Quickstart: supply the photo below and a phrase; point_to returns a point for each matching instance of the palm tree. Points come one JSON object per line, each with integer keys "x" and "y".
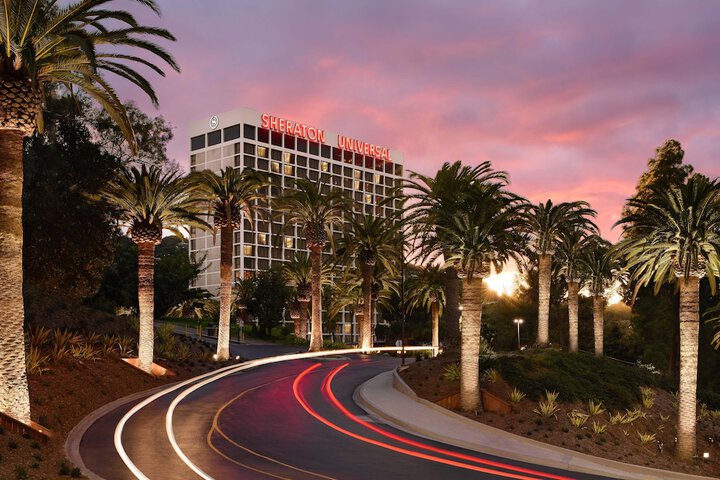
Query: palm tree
{"x": 372, "y": 243}
{"x": 570, "y": 247}
{"x": 232, "y": 194}
{"x": 483, "y": 233}
{"x": 674, "y": 236}
{"x": 427, "y": 291}
{"x": 433, "y": 199}
{"x": 42, "y": 44}
{"x": 316, "y": 211}
{"x": 298, "y": 273}
{"x": 545, "y": 223}
{"x": 599, "y": 267}
{"x": 147, "y": 202}
{"x": 199, "y": 304}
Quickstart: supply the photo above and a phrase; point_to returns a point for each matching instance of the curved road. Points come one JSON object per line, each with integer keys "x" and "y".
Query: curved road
{"x": 292, "y": 420}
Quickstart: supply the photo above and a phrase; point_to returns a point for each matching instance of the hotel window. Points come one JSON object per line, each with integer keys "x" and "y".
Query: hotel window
{"x": 238, "y": 250}
{"x": 301, "y": 145}
{"x": 193, "y": 244}
{"x": 276, "y": 138}
{"x": 231, "y": 133}
{"x": 337, "y": 169}
{"x": 336, "y": 154}
{"x": 275, "y": 167}
{"x": 313, "y": 175}
{"x": 347, "y": 172}
{"x": 325, "y": 151}
{"x": 398, "y": 170}
{"x": 314, "y": 148}
{"x": 249, "y": 131}
{"x": 368, "y": 198}
{"x": 357, "y": 184}
{"x": 249, "y": 263}
{"x": 287, "y": 157}
{"x": 302, "y": 172}
{"x": 378, "y": 178}
{"x": 348, "y": 156}
{"x": 276, "y": 154}
{"x": 193, "y": 160}
{"x": 324, "y": 167}
{"x": 263, "y": 252}
{"x": 249, "y": 161}
{"x": 247, "y": 249}
{"x": 238, "y": 160}
{"x": 263, "y": 135}
{"x": 357, "y": 174}
{"x": 288, "y": 169}
{"x": 262, "y": 152}
{"x": 288, "y": 255}
{"x": 263, "y": 264}
{"x": 262, "y": 164}
{"x": 250, "y": 148}
{"x": 197, "y": 142}
{"x": 290, "y": 142}
{"x": 262, "y": 238}
{"x": 213, "y": 138}
{"x": 289, "y": 242}
{"x": 301, "y": 161}
{"x": 347, "y": 182}
{"x": 314, "y": 163}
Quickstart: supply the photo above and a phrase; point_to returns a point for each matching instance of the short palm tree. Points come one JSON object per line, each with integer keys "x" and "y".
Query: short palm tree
{"x": 298, "y": 274}
{"x": 570, "y": 247}
{"x": 427, "y": 290}
{"x": 483, "y": 233}
{"x": 431, "y": 200}
{"x": 199, "y": 304}
{"x": 674, "y": 237}
{"x": 315, "y": 211}
{"x": 232, "y": 195}
{"x": 371, "y": 242}
{"x": 149, "y": 201}
{"x": 41, "y": 45}
{"x": 599, "y": 268}
{"x": 545, "y": 223}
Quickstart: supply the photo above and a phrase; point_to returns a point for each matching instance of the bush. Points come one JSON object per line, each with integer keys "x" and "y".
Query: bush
{"x": 577, "y": 377}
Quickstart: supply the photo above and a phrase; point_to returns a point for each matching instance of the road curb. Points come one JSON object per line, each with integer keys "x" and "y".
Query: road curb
{"x": 72, "y": 443}
{"x": 570, "y": 458}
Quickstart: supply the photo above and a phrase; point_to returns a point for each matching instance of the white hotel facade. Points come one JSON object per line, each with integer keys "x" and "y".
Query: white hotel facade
{"x": 289, "y": 150}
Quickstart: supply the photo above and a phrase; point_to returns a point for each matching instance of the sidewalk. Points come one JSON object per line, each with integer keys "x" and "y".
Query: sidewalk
{"x": 388, "y": 398}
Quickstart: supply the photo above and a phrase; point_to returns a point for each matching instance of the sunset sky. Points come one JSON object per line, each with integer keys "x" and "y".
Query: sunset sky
{"x": 570, "y": 97}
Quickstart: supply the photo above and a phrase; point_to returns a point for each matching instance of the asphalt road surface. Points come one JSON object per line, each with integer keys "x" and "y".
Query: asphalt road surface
{"x": 292, "y": 420}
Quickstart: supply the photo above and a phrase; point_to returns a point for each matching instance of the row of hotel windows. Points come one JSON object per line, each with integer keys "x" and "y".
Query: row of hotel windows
{"x": 285, "y": 162}
{"x": 290, "y": 142}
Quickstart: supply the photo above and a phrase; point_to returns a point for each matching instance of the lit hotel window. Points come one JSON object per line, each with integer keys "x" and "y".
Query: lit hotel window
{"x": 357, "y": 185}
{"x": 324, "y": 167}
{"x": 287, "y": 157}
{"x": 289, "y": 242}
{"x": 275, "y": 167}
{"x": 377, "y": 178}
{"x": 262, "y": 152}
{"x": 262, "y": 238}
{"x": 368, "y": 198}
{"x": 247, "y": 249}
{"x": 288, "y": 169}
{"x": 358, "y": 174}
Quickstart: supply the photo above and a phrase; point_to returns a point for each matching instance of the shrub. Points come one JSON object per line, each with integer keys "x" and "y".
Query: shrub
{"x": 548, "y": 407}
{"x": 165, "y": 333}
{"x": 35, "y": 361}
{"x": 617, "y": 418}
{"x": 646, "y": 437}
{"x": 577, "y": 419}
{"x": 125, "y": 346}
{"x": 516, "y": 395}
{"x": 452, "y": 372}
{"x": 75, "y": 473}
{"x": 595, "y": 409}
{"x": 599, "y": 428}
{"x": 491, "y": 375}
{"x": 38, "y": 336}
{"x": 109, "y": 344}
{"x": 64, "y": 469}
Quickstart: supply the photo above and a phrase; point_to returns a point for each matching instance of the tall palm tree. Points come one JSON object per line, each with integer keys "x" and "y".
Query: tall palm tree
{"x": 231, "y": 195}
{"x": 484, "y": 233}
{"x": 599, "y": 267}
{"x": 545, "y": 223}
{"x": 42, "y": 44}
{"x": 572, "y": 244}
{"x": 678, "y": 242}
{"x": 371, "y": 242}
{"x": 315, "y": 211}
{"x": 298, "y": 274}
{"x": 427, "y": 290}
{"x": 434, "y": 199}
{"x": 149, "y": 201}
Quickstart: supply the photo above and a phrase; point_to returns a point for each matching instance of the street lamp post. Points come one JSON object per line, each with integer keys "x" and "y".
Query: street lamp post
{"x": 518, "y": 322}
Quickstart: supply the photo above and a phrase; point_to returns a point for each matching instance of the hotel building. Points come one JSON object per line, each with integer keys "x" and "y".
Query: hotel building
{"x": 244, "y": 138}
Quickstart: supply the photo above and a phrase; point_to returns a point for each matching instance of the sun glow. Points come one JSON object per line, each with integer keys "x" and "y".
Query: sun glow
{"x": 504, "y": 283}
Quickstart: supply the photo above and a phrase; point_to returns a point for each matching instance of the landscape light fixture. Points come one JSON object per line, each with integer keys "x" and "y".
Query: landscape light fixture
{"x": 518, "y": 322}
{"x": 660, "y": 446}
{"x": 706, "y": 456}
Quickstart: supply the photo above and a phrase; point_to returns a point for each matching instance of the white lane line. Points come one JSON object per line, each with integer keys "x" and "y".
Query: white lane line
{"x": 212, "y": 377}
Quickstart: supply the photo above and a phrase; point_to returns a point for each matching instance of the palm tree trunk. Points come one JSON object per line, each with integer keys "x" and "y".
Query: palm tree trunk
{"x": 689, "y": 331}
{"x": 14, "y": 396}
{"x": 146, "y": 302}
{"x": 226, "y": 268}
{"x": 302, "y": 331}
{"x": 598, "y": 322}
{"x": 316, "y": 338}
{"x": 451, "y": 285}
{"x": 434, "y": 310}
{"x": 472, "y": 302}
{"x": 366, "y": 340}
{"x": 544, "y": 274}
{"x": 573, "y": 289}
